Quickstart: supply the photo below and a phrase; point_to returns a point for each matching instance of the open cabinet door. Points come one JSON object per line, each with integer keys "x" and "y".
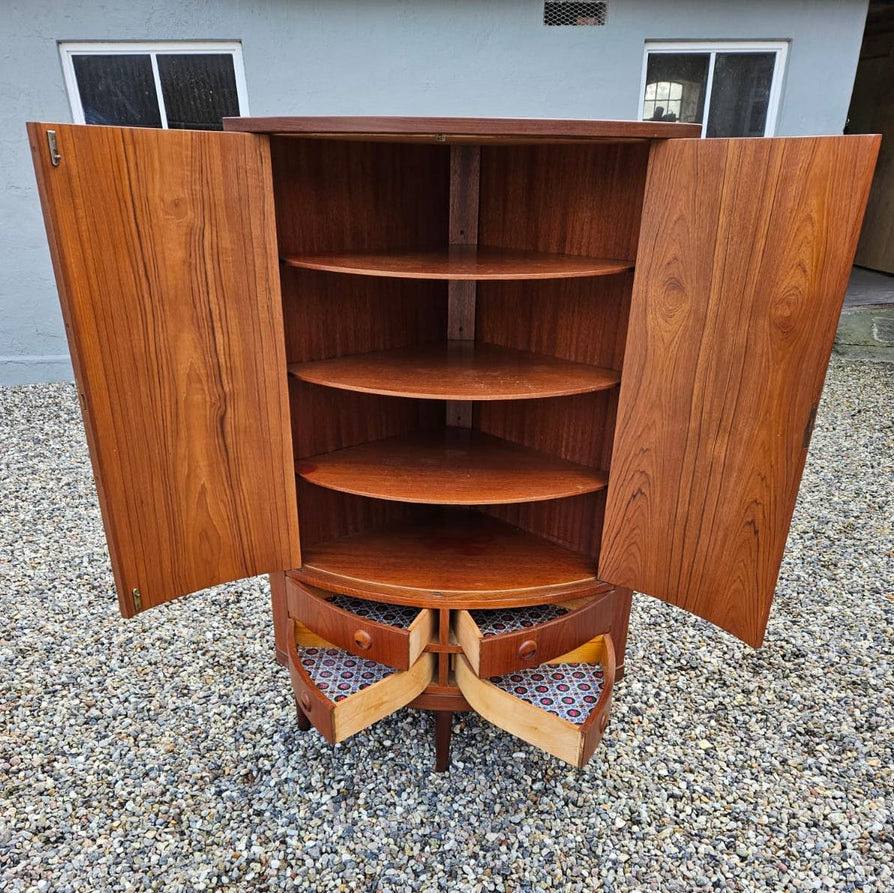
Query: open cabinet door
{"x": 164, "y": 248}
{"x": 744, "y": 255}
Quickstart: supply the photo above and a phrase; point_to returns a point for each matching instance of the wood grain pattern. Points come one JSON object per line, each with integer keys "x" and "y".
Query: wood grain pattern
{"x": 580, "y": 200}
{"x": 568, "y": 741}
{"x": 465, "y": 180}
{"x": 343, "y": 196}
{"x": 325, "y": 419}
{"x": 584, "y": 199}
{"x": 391, "y": 645}
{"x": 328, "y": 514}
{"x": 745, "y": 252}
{"x": 165, "y": 255}
{"x": 575, "y": 522}
{"x": 327, "y": 315}
{"x": 338, "y": 720}
{"x": 394, "y": 127}
{"x": 280, "y": 610}
{"x": 461, "y": 262}
{"x": 457, "y": 370}
{"x": 528, "y": 647}
{"x": 452, "y": 559}
{"x": 568, "y": 427}
{"x": 454, "y": 466}
{"x": 580, "y": 320}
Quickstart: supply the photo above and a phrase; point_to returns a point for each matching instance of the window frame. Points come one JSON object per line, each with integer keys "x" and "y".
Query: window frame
{"x": 779, "y": 47}
{"x": 68, "y": 49}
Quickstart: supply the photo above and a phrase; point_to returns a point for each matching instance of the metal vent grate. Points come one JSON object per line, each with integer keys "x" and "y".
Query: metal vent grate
{"x": 567, "y": 12}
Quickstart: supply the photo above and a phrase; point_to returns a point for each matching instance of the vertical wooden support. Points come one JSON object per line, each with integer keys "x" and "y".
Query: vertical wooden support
{"x": 618, "y": 627}
{"x": 443, "y": 730}
{"x": 303, "y": 723}
{"x": 280, "y": 616}
{"x": 465, "y": 169}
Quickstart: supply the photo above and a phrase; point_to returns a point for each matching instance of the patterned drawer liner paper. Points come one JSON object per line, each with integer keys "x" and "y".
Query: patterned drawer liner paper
{"x": 569, "y": 691}
{"x": 339, "y": 674}
{"x": 505, "y": 620}
{"x": 390, "y": 615}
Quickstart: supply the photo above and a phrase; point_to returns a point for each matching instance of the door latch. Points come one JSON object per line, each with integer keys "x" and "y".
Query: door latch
{"x": 55, "y": 157}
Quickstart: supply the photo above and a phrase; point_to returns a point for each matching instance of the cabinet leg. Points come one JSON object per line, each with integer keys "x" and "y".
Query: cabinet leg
{"x": 443, "y": 730}
{"x": 303, "y": 721}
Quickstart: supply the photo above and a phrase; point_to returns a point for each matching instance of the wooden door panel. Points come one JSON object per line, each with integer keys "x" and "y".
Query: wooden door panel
{"x": 744, "y": 255}
{"x": 164, "y": 248}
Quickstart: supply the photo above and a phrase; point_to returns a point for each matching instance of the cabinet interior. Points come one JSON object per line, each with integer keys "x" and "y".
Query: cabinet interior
{"x": 477, "y": 298}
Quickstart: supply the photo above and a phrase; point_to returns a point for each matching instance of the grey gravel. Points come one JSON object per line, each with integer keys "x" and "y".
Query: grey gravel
{"x": 161, "y": 753}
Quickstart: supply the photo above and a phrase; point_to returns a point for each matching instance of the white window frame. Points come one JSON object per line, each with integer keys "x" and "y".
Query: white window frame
{"x": 779, "y": 47}
{"x": 68, "y": 49}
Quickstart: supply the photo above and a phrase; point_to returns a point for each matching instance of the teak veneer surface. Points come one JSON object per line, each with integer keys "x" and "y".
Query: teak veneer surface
{"x": 327, "y": 315}
{"x": 457, "y": 370}
{"x": 461, "y": 262}
{"x": 488, "y": 128}
{"x": 177, "y": 342}
{"x": 341, "y": 197}
{"x": 454, "y": 559}
{"x": 454, "y": 466}
{"x": 735, "y": 301}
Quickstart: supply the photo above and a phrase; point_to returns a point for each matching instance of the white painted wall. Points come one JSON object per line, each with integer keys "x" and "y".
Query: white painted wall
{"x": 414, "y": 57}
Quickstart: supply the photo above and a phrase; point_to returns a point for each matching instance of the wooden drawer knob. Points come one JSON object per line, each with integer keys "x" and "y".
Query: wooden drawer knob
{"x": 362, "y": 639}
{"x": 527, "y": 649}
{"x": 305, "y": 701}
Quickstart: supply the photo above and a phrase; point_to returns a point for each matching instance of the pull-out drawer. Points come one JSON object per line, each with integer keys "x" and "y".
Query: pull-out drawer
{"x": 342, "y": 694}
{"x": 561, "y": 707}
{"x": 497, "y": 641}
{"x": 388, "y": 634}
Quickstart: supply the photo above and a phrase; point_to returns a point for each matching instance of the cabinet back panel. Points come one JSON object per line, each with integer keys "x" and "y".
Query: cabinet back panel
{"x": 575, "y": 523}
{"x": 359, "y": 196}
{"x": 332, "y": 315}
{"x": 584, "y": 320}
{"x": 578, "y": 428}
{"x": 326, "y": 419}
{"x": 327, "y": 514}
{"x": 568, "y": 199}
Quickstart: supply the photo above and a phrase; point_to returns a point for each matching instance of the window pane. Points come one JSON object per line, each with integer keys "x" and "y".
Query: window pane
{"x": 117, "y": 89}
{"x": 740, "y": 94}
{"x": 678, "y": 82}
{"x": 198, "y": 89}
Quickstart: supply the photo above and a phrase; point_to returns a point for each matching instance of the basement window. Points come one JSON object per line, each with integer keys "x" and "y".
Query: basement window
{"x": 181, "y": 86}
{"x": 731, "y": 88}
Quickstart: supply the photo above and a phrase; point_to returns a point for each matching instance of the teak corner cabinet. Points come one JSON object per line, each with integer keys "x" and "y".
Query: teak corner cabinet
{"x": 498, "y": 373}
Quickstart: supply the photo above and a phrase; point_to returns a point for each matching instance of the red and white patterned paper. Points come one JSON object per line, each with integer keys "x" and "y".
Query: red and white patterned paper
{"x": 569, "y": 691}
{"x": 339, "y": 674}
{"x": 505, "y": 620}
{"x": 391, "y": 615}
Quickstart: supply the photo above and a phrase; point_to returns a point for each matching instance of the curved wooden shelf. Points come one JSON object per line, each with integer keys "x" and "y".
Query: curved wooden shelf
{"x": 461, "y": 262}
{"x": 452, "y": 559}
{"x": 457, "y": 370}
{"x": 453, "y": 466}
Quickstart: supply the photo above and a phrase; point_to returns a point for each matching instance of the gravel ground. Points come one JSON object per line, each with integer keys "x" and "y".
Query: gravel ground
{"x": 161, "y": 753}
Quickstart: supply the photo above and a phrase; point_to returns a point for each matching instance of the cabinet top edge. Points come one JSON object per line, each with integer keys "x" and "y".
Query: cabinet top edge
{"x": 450, "y": 129}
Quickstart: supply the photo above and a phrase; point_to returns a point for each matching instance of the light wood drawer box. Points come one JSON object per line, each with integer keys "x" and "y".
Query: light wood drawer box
{"x": 390, "y": 634}
{"x": 561, "y": 707}
{"x": 498, "y": 641}
{"x": 342, "y": 694}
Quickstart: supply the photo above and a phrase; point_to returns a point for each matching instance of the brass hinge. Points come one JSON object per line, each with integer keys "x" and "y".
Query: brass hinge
{"x": 137, "y": 600}
{"x": 55, "y": 157}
